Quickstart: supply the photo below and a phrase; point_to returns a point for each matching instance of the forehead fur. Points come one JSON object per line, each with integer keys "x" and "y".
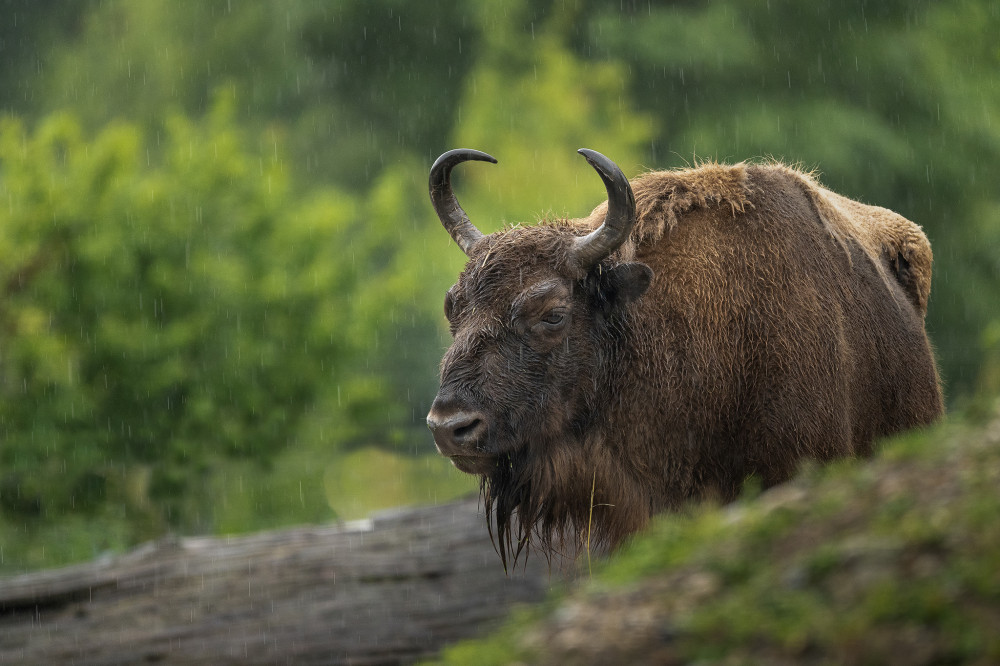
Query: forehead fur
{"x": 504, "y": 263}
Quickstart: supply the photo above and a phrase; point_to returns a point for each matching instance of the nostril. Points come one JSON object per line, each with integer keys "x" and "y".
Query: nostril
{"x": 467, "y": 430}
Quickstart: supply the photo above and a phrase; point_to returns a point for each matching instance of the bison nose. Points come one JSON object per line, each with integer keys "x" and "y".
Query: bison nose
{"x": 455, "y": 432}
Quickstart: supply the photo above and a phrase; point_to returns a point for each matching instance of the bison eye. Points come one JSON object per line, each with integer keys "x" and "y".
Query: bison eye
{"x": 554, "y": 320}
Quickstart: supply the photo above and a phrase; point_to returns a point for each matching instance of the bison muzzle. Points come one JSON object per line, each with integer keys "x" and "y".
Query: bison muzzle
{"x": 701, "y": 327}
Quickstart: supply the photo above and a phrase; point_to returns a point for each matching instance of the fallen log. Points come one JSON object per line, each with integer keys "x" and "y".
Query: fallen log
{"x": 388, "y": 590}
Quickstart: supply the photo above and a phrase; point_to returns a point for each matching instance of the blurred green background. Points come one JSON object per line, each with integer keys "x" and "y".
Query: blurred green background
{"x": 221, "y": 277}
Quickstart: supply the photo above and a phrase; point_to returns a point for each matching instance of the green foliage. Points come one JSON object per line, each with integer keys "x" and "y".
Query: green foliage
{"x": 316, "y": 483}
{"x": 161, "y": 315}
{"x": 355, "y": 84}
{"x": 393, "y": 71}
{"x": 532, "y": 104}
{"x": 164, "y": 316}
{"x": 133, "y": 60}
{"x": 396, "y": 310}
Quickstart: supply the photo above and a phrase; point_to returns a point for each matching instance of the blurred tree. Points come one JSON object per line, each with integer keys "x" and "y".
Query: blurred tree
{"x": 395, "y": 314}
{"x": 157, "y": 316}
{"x": 532, "y": 103}
{"x": 28, "y": 30}
{"x": 393, "y": 71}
{"x": 356, "y": 84}
{"x": 143, "y": 61}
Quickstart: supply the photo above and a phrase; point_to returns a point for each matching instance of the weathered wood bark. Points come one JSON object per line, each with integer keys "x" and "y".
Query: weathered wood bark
{"x": 389, "y": 590}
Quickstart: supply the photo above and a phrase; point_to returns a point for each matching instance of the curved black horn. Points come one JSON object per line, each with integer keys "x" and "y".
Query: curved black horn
{"x": 443, "y": 199}
{"x": 589, "y": 250}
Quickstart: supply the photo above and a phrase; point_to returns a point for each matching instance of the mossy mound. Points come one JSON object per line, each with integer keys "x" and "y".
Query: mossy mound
{"x": 890, "y": 560}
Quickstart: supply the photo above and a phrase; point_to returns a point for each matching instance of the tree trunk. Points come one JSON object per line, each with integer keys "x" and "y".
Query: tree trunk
{"x": 390, "y": 590}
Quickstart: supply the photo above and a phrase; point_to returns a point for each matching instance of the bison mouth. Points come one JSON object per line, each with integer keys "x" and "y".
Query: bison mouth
{"x": 474, "y": 464}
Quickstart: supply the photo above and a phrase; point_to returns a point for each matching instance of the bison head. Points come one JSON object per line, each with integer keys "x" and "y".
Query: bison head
{"x": 538, "y": 318}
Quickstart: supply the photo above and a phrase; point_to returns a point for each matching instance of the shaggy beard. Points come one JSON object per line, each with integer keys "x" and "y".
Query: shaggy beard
{"x": 538, "y": 503}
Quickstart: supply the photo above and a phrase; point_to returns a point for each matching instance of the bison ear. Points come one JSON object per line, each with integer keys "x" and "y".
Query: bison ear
{"x": 624, "y": 284}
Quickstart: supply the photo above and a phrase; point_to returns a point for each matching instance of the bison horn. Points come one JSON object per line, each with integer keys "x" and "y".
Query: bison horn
{"x": 591, "y": 249}
{"x": 443, "y": 199}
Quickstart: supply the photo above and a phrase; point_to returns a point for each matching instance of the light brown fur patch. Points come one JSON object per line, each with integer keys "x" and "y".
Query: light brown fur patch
{"x": 885, "y": 235}
{"x": 663, "y": 197}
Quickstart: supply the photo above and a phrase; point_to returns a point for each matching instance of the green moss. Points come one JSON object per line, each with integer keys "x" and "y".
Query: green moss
{"x": 503, "y": 646}
{"x": 667, "y": 543}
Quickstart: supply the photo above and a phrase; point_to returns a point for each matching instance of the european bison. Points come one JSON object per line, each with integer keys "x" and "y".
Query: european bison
{"x": 722, "y": 322}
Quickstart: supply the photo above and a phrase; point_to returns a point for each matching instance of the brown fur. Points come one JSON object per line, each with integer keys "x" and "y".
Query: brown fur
{"x": 783, "y": 322}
